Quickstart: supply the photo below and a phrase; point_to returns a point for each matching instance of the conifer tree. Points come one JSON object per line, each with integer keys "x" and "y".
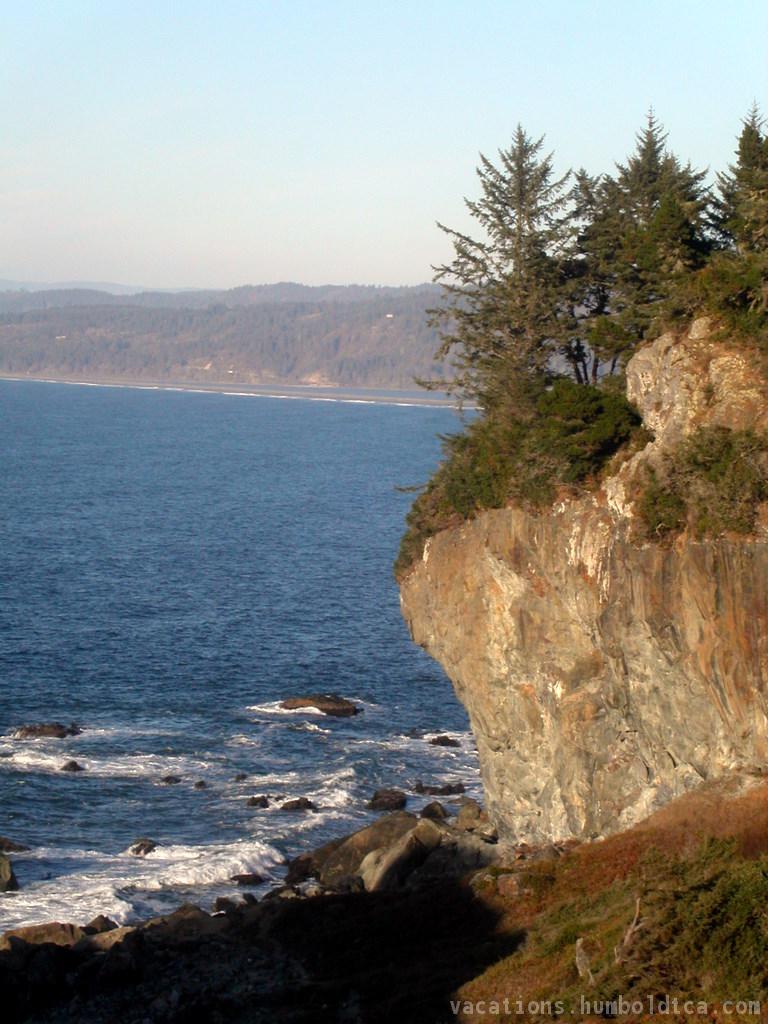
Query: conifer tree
{"x": 643, "y": 229}
{"x": 742, "y": 206}
{"x": 502, "y": 310}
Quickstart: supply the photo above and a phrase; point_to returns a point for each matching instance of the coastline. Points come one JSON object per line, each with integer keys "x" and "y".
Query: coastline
{"x": 390, "y": 900}
{"x": 287, "y": 391}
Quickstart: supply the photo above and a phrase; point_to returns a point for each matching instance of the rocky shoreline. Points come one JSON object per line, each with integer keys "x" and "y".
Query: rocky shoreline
{"x": 250, "y": 959}
{"x": 395, "y": 889}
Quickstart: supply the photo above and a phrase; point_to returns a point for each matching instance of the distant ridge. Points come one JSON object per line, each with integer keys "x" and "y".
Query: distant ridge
{"x": 22, "y": 299}
{"x": 285, "y": 333}
{"x": 50, "y": 286}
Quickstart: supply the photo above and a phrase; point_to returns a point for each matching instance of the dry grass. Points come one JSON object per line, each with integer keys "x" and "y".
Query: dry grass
{"x": 700, "y": 869}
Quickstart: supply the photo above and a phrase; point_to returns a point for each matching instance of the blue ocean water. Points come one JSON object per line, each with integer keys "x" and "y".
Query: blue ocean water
{"x": 172, "y": 565}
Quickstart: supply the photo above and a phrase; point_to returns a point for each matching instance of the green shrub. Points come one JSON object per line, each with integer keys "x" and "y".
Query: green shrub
{"x": 661, "y": 509}
{"x": 502, "y": 458}
{"x": 714, "y": 482}
{"x": 733, "y": 288}
{"x": 583, "y": 427}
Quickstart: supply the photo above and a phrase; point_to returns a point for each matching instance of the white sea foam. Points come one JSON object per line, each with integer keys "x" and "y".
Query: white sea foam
{"x": 76, "y": 885}
{"x": 274, "y": 707}
{"x": 311, "y": 727}
{"x": 306, "y": 396}
{"x": 35, "y": 758}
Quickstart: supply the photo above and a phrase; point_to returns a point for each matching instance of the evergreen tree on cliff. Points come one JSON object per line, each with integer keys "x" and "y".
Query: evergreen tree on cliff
{"x": 742, "y": 208}
{"x": 735, "y": 283}
{"x": 502, "y": 311}
{"x": 643, "y": 229}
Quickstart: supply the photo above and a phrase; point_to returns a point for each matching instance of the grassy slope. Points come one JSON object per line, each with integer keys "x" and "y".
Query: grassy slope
{"x": 700, "y": 870}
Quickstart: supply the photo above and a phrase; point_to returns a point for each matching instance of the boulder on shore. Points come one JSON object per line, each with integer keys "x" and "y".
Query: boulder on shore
{"x": 344, "y": 859}
{"x": 8, "y": 881}
{"x": 387, "y": 800}
{"x": 471, "y": 816}
{"x": 389, "y": 866}
{"x": 435, "y": 811}
{"x": 54, "y": 729}
{"x": 99, "y": 925}
{"x": 248, "y": 878}
{"x": 53, "y": 932}
{"x": 328, "y": 703}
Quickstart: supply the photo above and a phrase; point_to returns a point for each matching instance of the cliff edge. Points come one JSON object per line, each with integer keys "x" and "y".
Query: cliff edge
{"x": 604, "y": 674}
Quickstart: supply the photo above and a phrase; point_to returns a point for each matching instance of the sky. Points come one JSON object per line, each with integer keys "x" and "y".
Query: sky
{"x": 200, "y": 144}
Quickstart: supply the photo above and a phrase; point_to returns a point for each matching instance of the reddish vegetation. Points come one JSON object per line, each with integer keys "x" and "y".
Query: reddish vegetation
{"x": 591, "y": 893}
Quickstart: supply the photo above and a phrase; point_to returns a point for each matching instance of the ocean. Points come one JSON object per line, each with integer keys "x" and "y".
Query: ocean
{"x": 173, "y": 564}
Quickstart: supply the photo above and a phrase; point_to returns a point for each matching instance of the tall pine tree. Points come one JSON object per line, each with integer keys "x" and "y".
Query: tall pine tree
{"x": 502, "y": 311}
{"x": 742, "y": 206}
{"x": 644, "y": 228}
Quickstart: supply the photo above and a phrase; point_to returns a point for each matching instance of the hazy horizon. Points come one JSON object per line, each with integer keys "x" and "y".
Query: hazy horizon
{"x": 322, "y": 141}
{"x": 7, "y": 284}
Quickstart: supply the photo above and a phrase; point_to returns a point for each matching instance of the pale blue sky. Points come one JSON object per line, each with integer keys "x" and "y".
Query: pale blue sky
{"x": 216, "y": 144}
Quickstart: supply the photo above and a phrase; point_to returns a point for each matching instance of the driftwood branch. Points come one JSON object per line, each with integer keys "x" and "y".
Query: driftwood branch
{"x": 620, "y": 951}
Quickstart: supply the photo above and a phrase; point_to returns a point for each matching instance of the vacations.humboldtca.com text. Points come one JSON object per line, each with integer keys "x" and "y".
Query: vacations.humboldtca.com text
{"x": 621, "y": 1006}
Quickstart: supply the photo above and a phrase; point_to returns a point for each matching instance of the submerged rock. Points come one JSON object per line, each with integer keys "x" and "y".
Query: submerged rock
{"x": 257, "y": 801}
{"x": 443, "y": 741}
{"x": 328, "y": 703}
{"x": 142, "y": 847}
{"x": 200, "y": 784}
{"x": 449, "y": 789}
{"x": 42, "y": 729}
{"x": 299, "y": 804}
{"x": 72, "y": 766}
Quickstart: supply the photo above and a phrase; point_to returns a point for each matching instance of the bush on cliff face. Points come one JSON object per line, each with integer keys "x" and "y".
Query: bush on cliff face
{"x": 713, "y": 482}
{"x": 734, "y": 288}
{"x": 499, "y": 459}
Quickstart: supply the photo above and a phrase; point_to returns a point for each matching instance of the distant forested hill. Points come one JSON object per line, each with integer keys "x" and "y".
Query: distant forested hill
{"x": 286, "y": 333}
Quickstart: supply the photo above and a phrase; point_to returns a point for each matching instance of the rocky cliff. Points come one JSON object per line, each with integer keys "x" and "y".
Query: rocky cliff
{"x": 604, "y": 675}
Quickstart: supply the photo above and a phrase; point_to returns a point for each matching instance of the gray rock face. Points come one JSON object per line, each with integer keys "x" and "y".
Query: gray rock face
{"x": 604, "y": 676}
